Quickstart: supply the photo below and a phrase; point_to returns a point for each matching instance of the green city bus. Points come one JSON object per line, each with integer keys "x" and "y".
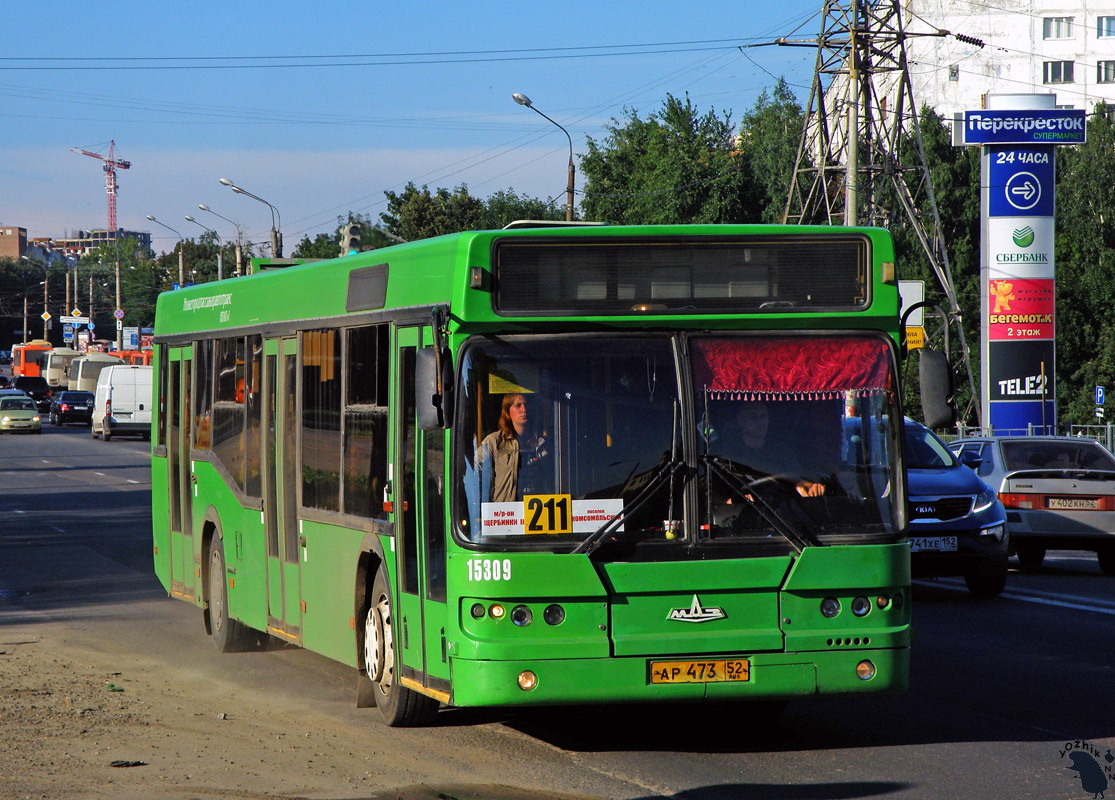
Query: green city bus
{"x": 524, "y": 466}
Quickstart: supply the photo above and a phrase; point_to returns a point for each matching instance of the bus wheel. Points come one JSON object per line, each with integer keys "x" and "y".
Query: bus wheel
{"x": 228, "y": 634}
{"x": 401, "y": 707}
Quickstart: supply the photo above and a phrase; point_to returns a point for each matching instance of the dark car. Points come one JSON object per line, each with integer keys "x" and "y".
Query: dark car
{"x": 957, "y": 524}
{"x": 71, "y": 407}
{"x": 4, "y": 382}
{"x": 35, "y": 387}
{"x": 1059, "y": 492}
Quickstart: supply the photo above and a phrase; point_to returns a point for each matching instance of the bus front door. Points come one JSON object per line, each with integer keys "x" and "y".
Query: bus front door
{"x": 180, "y": 473}
{"x": 419, "y": 535}
{"x": 280, "y": 495}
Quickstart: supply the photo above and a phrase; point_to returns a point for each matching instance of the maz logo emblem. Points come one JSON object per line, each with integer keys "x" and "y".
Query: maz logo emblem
{"x": 696, "y": 613}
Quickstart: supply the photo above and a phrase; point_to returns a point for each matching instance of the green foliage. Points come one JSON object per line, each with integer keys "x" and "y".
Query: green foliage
{"x": 768, "y": 142}
{"x": 506, "y": 206}
{"x": 674, "y": 166}
{"x": 323, "y": 245}
{"x": 419, "y": 214}
{"x": 1085, "y": 260}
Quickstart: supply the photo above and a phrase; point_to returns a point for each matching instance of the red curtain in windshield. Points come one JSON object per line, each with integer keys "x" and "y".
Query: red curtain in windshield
{"x": 792, "y": 368}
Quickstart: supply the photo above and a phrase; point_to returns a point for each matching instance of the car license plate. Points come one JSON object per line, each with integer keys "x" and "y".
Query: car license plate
{"x": 933, "y": 544}
{"x": 731, "y": 669}
{"x": 1073, "y": 503}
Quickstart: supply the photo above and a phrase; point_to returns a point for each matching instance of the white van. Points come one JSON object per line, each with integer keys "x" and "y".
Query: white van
{"x": 123, "y": 402}
{"x": 85, "y": 369}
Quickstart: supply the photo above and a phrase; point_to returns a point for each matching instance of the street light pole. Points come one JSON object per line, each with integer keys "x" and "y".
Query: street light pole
{"x": 181, "y": 260}
{"x": 276, "y": 220}
{"x": 220, "y": 246}
{"x": 239, "y": 238}
{"x": 523, "y": 100}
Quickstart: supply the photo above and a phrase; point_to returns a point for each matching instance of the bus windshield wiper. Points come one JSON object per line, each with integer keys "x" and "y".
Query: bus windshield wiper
{"x": 745, "y": 486}
{"x": 664, "y": 473}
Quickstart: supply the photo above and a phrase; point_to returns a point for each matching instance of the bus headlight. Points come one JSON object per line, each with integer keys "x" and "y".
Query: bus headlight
{"x": 865, "y": 670}
{"x": 554, "y": 614}
{"x": 527, "y": 680}
{"x": 830, "y": 607}
{"x": 860, "y": 606}
{"x": 521, "y": 616}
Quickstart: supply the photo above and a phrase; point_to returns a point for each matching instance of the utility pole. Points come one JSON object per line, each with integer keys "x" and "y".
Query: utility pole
{"x": 850, "y": 167}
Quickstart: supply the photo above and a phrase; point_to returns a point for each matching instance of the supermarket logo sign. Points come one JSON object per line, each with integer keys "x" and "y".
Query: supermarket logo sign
{"x": 1051, "y": 126}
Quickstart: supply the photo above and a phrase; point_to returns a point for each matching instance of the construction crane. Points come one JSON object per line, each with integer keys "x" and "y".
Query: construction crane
{"x": 111, "y": 164}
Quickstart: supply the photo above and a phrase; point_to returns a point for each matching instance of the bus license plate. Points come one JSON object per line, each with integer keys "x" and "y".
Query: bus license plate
{"x": 933, "y": 544}
{"x": 1074, "y": 503}
{"x": 734, "y": 669}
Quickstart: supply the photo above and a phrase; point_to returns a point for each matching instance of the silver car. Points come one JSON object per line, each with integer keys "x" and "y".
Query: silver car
{"x": 1059, "y": 492}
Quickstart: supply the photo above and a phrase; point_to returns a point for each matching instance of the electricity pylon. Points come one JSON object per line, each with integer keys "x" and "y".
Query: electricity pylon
{"x": 851, "y": 166}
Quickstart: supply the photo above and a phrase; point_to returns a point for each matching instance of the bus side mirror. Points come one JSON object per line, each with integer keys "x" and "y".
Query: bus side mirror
{"x": 433, "y": 398}
{"x": 937, "y": 397}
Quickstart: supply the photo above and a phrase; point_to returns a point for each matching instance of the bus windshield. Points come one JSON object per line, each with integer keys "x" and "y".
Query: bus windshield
{"x": 795, "y": 437}
{"x": 558, "y": 434}
{"x": 789, "y": 440}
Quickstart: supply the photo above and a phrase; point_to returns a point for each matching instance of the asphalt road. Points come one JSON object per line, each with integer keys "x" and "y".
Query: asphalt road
{"x": 999, "y": 687}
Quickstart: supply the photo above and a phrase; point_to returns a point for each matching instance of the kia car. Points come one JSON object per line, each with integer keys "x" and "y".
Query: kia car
{"x": 957, "y": 524}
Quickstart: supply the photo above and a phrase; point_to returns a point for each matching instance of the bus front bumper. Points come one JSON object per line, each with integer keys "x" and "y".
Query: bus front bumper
{"x": 771, "y": 676}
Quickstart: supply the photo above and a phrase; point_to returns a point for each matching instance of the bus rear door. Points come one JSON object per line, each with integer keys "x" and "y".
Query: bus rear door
{"x": 419, "y": 535}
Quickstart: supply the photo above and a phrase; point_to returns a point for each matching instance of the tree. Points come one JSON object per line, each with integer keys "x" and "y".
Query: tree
{"x": 675, "y": 166}
{"x": 768, "y": 141}
{"x": 1085, "y": 257}
{"x": 419, "y": 214}
{"x": 323, "y": 245}
{"x": 955, "y": 174}
{"x": 506, "y": 206}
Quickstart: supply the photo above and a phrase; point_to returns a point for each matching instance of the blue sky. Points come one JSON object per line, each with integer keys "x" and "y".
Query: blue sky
{"x": 319, "y": 108}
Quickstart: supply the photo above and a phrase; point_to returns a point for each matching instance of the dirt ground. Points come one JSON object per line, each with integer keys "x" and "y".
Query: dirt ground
{"x": 83, "y": 723}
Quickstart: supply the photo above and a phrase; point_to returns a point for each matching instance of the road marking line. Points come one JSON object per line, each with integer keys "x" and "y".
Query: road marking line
{"x": 1061, "y": 603}
{"x": 1048, "y": 600}
{"x": 131, "y": 481}
{"x": 99, "y": 473}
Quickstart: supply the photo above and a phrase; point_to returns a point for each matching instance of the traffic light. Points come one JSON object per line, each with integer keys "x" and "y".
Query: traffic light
{"x": 350, "y": 239}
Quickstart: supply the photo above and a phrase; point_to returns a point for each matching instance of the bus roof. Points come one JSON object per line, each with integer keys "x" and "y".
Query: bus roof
{"x": 457, "y": 271}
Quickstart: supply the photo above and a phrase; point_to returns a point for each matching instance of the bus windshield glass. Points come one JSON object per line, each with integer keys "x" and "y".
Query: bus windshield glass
{"x": 557, "y": 436}
{"x": 795, "y": 437}
{"x": 560, "y": 438}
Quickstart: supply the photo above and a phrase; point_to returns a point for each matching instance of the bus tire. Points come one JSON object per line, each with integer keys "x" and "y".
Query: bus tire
{"x": 401, "y": 707}
{"x": 228, "y": 635}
